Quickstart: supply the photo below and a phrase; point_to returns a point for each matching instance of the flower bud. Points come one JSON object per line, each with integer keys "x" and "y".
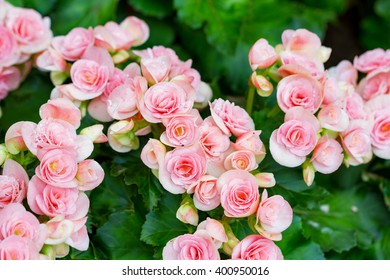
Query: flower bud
{"x": 187, "y": 213}
{"x": 121, "y": 137}
{"x": 3, "y": 154}
{"x": 263, "y": 86}
{"x": 308, "y": 173}
{"x": 120, "y": 57}
{"x": 14, "y": 140}
{"x": 61, "y": 250}
{"x": 265, "y": 180}
{"x": 232, "y": 241}
{"x": 203, "y": 96}
{"x": 95, "y": 133}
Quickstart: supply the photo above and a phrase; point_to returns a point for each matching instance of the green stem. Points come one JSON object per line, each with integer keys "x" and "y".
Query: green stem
{"x": 250, "y": 99}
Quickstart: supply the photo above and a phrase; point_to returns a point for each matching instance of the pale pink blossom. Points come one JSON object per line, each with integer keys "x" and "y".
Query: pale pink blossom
{"x": 333, "y": 91}
{"x": 357, "y": 143}
{"x": 100, "y": 56}
{"x": 344, "y": 72}
{"x": 242, "y": 160}
{"x": 372, "y": 60}
{"x": 295, "y": 138}
{"x": 116, "y": 79}
{"x": 59, "y": 229}
{"x": 263, "y": 86}
{"x": 203, "y": 95}
{"x": 122, "y": 103}
{"x": 16, "y": 247}
{"x": 51, "y": 60}
{"x": 95, "y": 133}
{"x": 10, "y": 79}
{"x": 206, "y": 194}
{"x": 273, "y": 216}
{"x": 333, "y": 117}
{"x": 215, "y": 229}
{"x": 375, "y": 83}
{"x": 299, "y": 90}
{"x": 79, "y": 238}
{"x": 251, "y": 141}
{"x": 354, "y": 106}
{"x": 182, "y": 168}
{"x": 9, "y": 51}
{"x": 239, "y": 193}
{"x": 58, "y": 167}
{"x": 295, "y": 63}
{"x": 156, "y": 70}
{"x": 112, "y": 37}
{"x": 262, "y": 55}
{"x": 197, "y": 246}
{"x": 180, "y": 131}
{"x": 256, "y": 247}
{"x": 137, "y": 29}
{"x": 13, "y": 183}
{"x": 97, "y": 109}
{"x": 265, "y": 179}
{"x": 31, "y": 31}
{"x": 153, "y": 154}
{"x": 14, "y": 141}
{"x": 89, "y": 175}
{"x": 73, "y": 45}
{"x": 327, "y": 155}
{"x": 62, "y": 109}
{"x": 231, "y": 118}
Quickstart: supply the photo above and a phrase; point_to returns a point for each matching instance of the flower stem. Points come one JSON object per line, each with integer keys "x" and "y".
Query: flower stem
{"x": 250, "y": 99}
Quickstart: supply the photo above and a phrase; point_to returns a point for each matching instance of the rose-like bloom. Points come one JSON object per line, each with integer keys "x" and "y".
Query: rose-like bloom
{"x": 29, "y": 28}
{"x": 206, "y": 194}
{"x": 375, "y": 83}
{"x": 13, "y": 183}
{"x": 215, "y": 229}
{"x": 89, "y": 77}
{"x": 15, "y": 220}
{"x": 137, "y": 28}
{"x": 354, "y": 106}
{"x": 51, "y": 201}
{"x": 62, "y": 109}
{"x": 122, "y": 102}
{"x": 251, "y": 141}
{"x": 182, "y": 168}
{"x": 295, "y": 138}
{"x": 239, "y": 193}
{"x": 197, "y": 246}
{"x": 273, "y": 216}
{"x": 73, "y": 45}
{"x": 166, "y": 99}
{"x": 333, "y": 117}
{"x": 262, "y": 55}
{"x": 212, "y": 140}
{"x": 333, "y": 91}
{"x": 51, "y": 60}
{"x": 14, "y": 141}
{"x": 89, "y": 175}
{"x": 153, "y": 154}
{"x": 357, "y": 143}
{"x": 299, "y": 90}
{"x": 379, "y": 118}
{"x": 327, "y": 155}
{"x": 180, "y": 131}
{"x": 18, "y": 248}
{"x": 231, "y": 118}
{"x": 10, "y": 79}
{"x": 344, "y": 72}
{"x": 242, "y": 160}
{"x": 156, "y": 70}
{"x": 9, "y": 52}
{"x": 296, "y": 63}
{"x": 256, "y": 247}
{"x": 372, "y": 60}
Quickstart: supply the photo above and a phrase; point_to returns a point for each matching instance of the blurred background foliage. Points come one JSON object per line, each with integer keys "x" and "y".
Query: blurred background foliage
{"x": 342, "y": 216}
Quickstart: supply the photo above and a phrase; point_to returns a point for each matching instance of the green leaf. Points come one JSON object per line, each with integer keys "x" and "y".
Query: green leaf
{"x": 382, "y": 8}
{"x": 385, "y": 188}
{"x": 161, "y": 224}
{"x": 154, "y": 8}
{"x": 161, "y": 33}
{"x": 241, "y": 228}
{"x": 344, "y": 220}
{"x": 120, "y": 237}
{"x": 295, "y": 246}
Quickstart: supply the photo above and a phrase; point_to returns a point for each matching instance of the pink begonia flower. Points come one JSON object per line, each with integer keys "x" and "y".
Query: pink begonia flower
{"x": 50, "y": 60}
{"x": 333, "y": 117}
{"x": 16, "y": 247}
{"x": 182, "y": 169}
{"x": 89, "y": 77}
{"x": 197, "y": 246}
{"x": 58, "y": 167}
{"x": 165, "y": 99}
{"x": 231, "y": 118}
{"x": 354, "y": 105}
{"x": 265, "y": 179}
{"x": 372, "y": 60}
{"x": 263, "y": 86}
{"x": 62, "y": 109}
{"x": 79, "y": 239}
{"x": 251, "y": 141}
{"x": 95, "y": 133}
{"x": 97, "y": 109}
{"x": 294, "y": 63}
{"x": 356, "y": 142}
{"x": 9, "y": 51}
{"x": 256, "y": 247}
{"x": 14, "y": 141}
{"x": 51, "y": 201}
{"x": 344, "y": 72}
{"x": 333, "y": 91}
{"x": 13, "y": 183}
{"x": 295, "y": 138}
{"x": 137, "y": 29}
{"x": 32, "y": 32}
{"x": 157, "y": 51}
{"x": 116, "y": 79}
{"x": 327, "y": 155}
{"x": 262, "y": 55}
{"x": 112, "y": 37}
{"x": 100, "y": 56}
{"x": 212, "y": 140}
{"x": 59, "y": 229}
{"x": 203, "y": 96}
{"x": 273, "y": 216}
{"x": 206, "y": 194}
{"x": 239, "y": 193}
{"x": 74, "y": 44}
{"x": 188, "y": 214}
{"x": 121, "y": 137}
{"x": 242, "y": 160}
{"x": 156, "y": 70}
{"x": 379, "y": 118}
{"x": 122, "y": 103}
{"x": 10, "y": 79}
{"x": 89, "y": 175}
{"x": 299, "y": 90}
{"x": 215, "y": 229}
{"x": 375, "y": 83}
{"x": 180, "y": 131}
{"x": 15, "y": 220}
{"x": 153, "y": 154}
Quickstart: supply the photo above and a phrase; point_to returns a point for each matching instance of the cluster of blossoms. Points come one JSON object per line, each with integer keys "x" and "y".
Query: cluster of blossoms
{"x": 56, "y": 191}
{"x": 330, "y": 116}
{"x": 23, "y": 32}
{"x": 198, "y": 157}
